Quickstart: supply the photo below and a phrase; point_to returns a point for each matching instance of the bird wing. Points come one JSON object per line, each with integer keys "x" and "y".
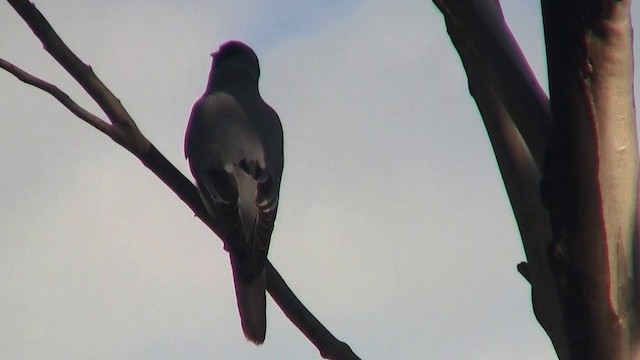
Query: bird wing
{"x": 227, "y": 159}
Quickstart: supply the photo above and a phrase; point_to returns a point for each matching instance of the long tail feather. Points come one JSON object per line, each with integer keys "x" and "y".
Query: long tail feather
{"x": 252, "y": 302}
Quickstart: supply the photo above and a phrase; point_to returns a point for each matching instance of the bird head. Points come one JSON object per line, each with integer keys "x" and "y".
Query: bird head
{"x": 235, "y": 64}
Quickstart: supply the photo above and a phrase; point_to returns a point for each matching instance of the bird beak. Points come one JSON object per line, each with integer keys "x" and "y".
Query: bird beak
{"x": 213, "y": 54}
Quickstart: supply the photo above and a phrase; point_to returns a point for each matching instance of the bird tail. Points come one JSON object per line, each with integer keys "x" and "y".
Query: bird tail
{"x": 252, "y": 305}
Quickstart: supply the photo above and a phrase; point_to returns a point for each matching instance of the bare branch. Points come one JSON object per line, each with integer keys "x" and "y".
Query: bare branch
{"x": 70, "y": 62}
{"x": 478, "y": 27}
{"x": 329, "y": 346}
{"x": 124, "y": 131}
{"x": 516, "y": 115}
{"x": 60, "y": 95}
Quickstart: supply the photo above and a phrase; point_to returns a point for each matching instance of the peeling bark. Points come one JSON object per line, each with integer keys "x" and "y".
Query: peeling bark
{"x": 591, "y": 173}
{"x": 580, "y": 231}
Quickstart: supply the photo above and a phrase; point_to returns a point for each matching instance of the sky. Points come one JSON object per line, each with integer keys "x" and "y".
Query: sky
{"x": 393, "y": 228}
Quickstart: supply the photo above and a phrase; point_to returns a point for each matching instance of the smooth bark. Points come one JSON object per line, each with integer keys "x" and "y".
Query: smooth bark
{"x": 591, "y": 174}
{"x": 579, "y": 224}
{"x": 517, "y": 117}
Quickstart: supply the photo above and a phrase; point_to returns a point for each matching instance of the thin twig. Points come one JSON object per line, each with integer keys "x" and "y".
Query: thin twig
{"x": 75, "y": 67}
{"x": 60, "y": 95}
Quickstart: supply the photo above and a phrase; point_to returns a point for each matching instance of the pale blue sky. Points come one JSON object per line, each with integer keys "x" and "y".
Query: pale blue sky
{"x": 394, "y": 227}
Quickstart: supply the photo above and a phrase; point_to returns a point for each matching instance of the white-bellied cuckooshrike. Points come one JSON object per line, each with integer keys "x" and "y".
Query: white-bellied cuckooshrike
{"x": 235, "y": 151}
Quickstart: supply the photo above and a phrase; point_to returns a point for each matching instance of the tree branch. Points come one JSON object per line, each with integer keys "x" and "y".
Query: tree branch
{"x": 329, "y": 346}
{"x": 516, "y": 115}
{"x": 60, "y": 95}
{"x": 477, "y": 28}
{"x": 124, "y": 131}
{"x": 75, "y": 67}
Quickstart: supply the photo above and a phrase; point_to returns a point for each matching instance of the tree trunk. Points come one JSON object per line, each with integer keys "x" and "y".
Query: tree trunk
{"x": 578, "y": 225}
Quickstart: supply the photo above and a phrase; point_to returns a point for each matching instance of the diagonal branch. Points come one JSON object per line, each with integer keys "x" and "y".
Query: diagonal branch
{"x": 70, "y": 62}
{"x": 329, "y": 346}
{"x": 124, "y": 131}
{"x": 60, "y": 95}
{"x": 516, "y": 115}
{"x": 478, "y": 26}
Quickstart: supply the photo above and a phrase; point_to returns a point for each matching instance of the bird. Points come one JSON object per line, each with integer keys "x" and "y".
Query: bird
{"x": 234, "y": 147}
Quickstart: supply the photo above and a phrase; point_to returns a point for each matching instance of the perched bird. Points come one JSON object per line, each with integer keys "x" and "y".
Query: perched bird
{"x": 234, "y": 145}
